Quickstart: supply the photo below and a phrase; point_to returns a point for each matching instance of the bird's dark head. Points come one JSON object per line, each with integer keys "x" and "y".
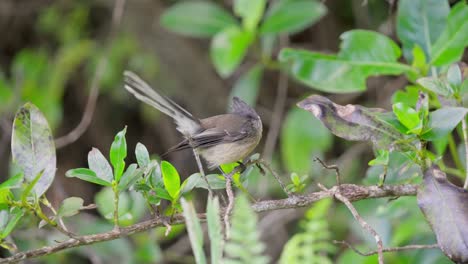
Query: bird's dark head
{"x": 242, "y": 108}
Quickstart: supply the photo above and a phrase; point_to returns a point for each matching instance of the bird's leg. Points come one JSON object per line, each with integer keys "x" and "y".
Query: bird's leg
{"x": 242, "y": 167}
{"x": 202, "y": 172}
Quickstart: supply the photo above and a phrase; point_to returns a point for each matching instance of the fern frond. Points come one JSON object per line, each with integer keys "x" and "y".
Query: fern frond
{"x": 313, "y": 244}
{"x": 244, "y": 245}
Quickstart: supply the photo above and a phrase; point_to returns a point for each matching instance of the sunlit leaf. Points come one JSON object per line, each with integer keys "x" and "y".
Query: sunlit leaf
{"x": 118, "y": 152}
{"x": 171, "y": 178}
{"x": 33, "y": 148}
{"x": 251, "y": 12}
{"x": 87, "y": 175}
{"x": 99, "y": 164}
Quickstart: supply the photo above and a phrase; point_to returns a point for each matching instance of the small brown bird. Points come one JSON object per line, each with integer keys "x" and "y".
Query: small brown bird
{"x": 219, "y": 139}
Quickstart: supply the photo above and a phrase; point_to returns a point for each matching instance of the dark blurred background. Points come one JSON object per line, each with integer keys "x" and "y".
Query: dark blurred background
{"x": 50, "y": 53}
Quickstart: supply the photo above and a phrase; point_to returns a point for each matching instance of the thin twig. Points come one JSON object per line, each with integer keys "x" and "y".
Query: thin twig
{"x": 391, "y": 249}
{"x": 360, "y": 220}
{"x": 350, "y": 191}
{"x": 278, "y": 109}
{"x": 465, "y": 139}
{"x": 330, "y": 167}
{"x": 202, "y": 172}
{"x": 230, "y": 205}
{"x": 88, "y": 112}
{"x": 277, "y": 177}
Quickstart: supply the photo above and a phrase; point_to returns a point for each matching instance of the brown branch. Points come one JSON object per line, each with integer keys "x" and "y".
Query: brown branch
{"x": 88, "y": 112}
{"x": 391, "y": 249}
{"x": 350, "y": 191}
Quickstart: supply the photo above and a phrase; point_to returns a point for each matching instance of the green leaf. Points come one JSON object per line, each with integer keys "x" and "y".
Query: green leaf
{"x": 436, "y": 85}
{"x": 162, "y": 193}
{"x": 445, "y": 208}
{"x": 131, "y": 175}
{"x": 354, "y": 122}
{"x": 443, "y": 121}
{"x": 105, "y": 204}
{"x": 194, "y": 230}
{"x": 13, "y": 182}
{"x": 99, "y": 164}
{"x": 70, "y": 207}
{"x": 14, "y": 216}
{"x": 118, "y": 152}
{"x": 171, "y": 178}
{"x": 215, "y": 181}
{"x": 292, "y": 16}
{"x": 302, "y": 137}
{"x": 362, "y": 54}
{"x": 454, "y": 76}
{"x": 87, "y": 175}
{"x": 214, "y": 229}
{"x": 142, "y": 155}
{"x": 197, "y": 18}
{"x": 409, "y": 96}
{"x": 228, "y": 48}
{"x": 32, "y": 147}
{"x": 420, "y": 22}
{"x": 450, "y": 45}
{"x": 251, "y": 12}
{"x": 27, "y": 190}
{"x": 247, "y": 86}
{"x": 408, "y": 117}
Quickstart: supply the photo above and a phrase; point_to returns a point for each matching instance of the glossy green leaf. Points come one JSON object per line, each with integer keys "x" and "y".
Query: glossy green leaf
{"x": 131, "y": 175}
{"x": 251, "y": 11}
{"x": 87, "y": 175}
{"x": 13, "y": 182}
{"x": 197, "y": 18}
{"x": 408, "y": 117}
{"x": 291, "y": 16}
{"x": 171, "y": 178}
{"x": 14, "y": 215}
{"x": 443, "y": 121}
{"x": 70, "y": 207}
{"x": 362, "y": 54}
{"x": 228, "y": 48}
{"x": 408, "y": 96}
{"x": 99, "y": 164}
{"x": 450, "y": 46}
{"x": 445, "y": 208}
{"x": 436, "y": 85}
{"x": 33, "y": 148}
{"x": 214, "y": 229}
{"x": 194, "y": 230}
{"x": 248, "y": 85}
{"x": 302, "y": 137}
{"x": 142, "y": 155}
{"x": 420, "y": 22}
{"x": 118, "y": 152}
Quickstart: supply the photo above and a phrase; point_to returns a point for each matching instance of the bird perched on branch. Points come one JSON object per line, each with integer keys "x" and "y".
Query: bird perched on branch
{"x": 218, "y": 139}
